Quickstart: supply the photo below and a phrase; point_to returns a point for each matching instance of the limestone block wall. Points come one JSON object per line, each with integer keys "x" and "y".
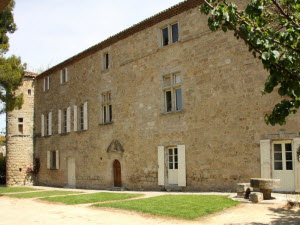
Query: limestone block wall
{"x": 20, "y": 145}
{"x": 221, "y": 123}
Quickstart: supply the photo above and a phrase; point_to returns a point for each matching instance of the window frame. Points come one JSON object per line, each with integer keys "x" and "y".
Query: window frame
{"x": 106, "y": 108}
{"x": 65, "y": 120}
{"x": 64, "y": 75}
{"x": 53, "y": 160}
{"x": 170, "y": 34}
{"x": 283, "y": 152}
{"x": 172, "y": 87}
{"x": 20, "y": 125}
{"x": 105, "y": 60}
{"x": 81, "y": 117}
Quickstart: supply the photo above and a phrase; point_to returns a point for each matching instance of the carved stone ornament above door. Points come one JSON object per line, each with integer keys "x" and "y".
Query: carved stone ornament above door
{"x": 115, "y": 146}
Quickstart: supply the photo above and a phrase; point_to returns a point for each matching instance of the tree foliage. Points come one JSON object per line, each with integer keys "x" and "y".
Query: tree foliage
{"x": 270, "y": 28}
{"x": 11, "y": 69}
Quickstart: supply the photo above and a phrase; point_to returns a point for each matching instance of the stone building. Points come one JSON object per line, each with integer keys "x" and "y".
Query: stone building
{"x": 19, "y": 136}
{"x": 165, "y": 104}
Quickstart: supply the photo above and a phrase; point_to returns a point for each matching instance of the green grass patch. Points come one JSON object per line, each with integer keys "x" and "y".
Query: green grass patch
{"x": 16, "y": 189}
{"x": 42, "y": 194}
{"x": 91, "y": 198}
{"x": 183, "y": 206}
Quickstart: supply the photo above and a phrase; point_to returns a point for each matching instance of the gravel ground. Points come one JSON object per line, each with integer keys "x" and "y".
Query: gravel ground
{"x": 31, "y": 211}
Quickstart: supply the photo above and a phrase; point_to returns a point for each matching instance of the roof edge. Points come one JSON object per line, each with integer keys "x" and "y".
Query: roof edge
{"x": 149, "y": 22}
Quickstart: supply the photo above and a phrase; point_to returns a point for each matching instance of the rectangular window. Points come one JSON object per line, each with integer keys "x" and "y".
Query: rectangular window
{"x": 81, "y": 117}
{"x": 63, "y": 75}
{"x": 20, "y": 125}
{"x": 106, "y": 107}
{"x": 172, "y": 92}
{"x": 288, "y": 156}
{"x": 165, "y": 36}
{"x": 174, "y": 32}
{"x": 65, "y": 117}
{"x": 170, "y": 34}
{"x": 173, "y": 158}
{"x": 29, "y": 92}
{"x": 46, "y": 84}
{"x": 53, "y": 160}
{"x": 283, "y": 156}
{"x": 47, "y": 124}
{"x": 105, "y": 61}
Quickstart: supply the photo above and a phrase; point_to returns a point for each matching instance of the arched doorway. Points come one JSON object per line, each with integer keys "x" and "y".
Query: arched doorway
{"x": 117, "y": 174}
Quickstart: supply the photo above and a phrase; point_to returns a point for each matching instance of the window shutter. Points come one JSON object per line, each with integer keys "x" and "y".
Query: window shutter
{"x": 181, "y": 166}
{"x": 265, "y": 158}
{"x": 75, "y": 117}
{"x": 44, "y": 87}
{"x": 69, "y": 119}
{"x": 57, "y": 159}
{"x": 59, "y": 121}
{"x": 161, "y": 165}
{"x": 296, "y": 145}
{"x": 48, "y": 160}
{"x": 50, "y": 123}
{"x": 66, "y": 74}
{"x": 85, "y": 116}
{"x": 61, "y": 76}
{"x": 48, "y": 83}
{"x": 42, "y": 126}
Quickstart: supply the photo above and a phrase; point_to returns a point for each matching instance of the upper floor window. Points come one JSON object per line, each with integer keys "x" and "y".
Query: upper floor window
{"x": 172, "y": 92}
{"x": 29, "y": 92}
{"x": 170, "y": 34}
{"x": 65, "y": 120}
{"x": 105, "y": 61}
{"x": 46, "y": 84}
{"x": 106, "y": 107}
{"x": 46, "y": 124}
{"x": 20, "y": 125}
{"x": 64, "y": 75}
{"x": 81, "y": 117}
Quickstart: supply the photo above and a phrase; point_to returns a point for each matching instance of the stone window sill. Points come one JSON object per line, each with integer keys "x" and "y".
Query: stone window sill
{"x": 172, "y": 112}
{"x": 107, "y": 123}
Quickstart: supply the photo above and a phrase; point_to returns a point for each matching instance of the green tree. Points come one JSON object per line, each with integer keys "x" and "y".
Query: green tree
{"x": 11, "y": 69}
{"x": 270, "y": 28}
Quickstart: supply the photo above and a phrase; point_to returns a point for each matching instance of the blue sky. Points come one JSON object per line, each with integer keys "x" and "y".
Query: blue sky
{"x": 51, "y": 31}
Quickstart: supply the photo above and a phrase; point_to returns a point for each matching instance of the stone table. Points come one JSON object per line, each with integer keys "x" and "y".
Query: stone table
{"x": 265, "y": 185}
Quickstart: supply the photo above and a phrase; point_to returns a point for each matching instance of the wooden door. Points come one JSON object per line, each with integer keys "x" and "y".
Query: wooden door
{"x": 117, "y": 174}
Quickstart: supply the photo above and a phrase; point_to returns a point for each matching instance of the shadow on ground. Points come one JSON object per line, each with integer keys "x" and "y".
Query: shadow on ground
{"x": 283, "y": 216}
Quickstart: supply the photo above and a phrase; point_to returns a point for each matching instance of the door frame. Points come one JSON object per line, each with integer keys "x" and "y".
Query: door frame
{"x": 116, "y": 161}
{"x": 70, "y": 185}
{"x": 283, "y": 142}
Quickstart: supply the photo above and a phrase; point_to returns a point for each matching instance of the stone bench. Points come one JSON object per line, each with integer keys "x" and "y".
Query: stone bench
{"x": 265, "y": 186}
{"x": 256, "y": 197}
{"x": 243, "y": 190}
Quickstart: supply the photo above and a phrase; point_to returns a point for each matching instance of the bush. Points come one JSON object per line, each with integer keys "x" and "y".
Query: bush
{"x": 2, "y": 170}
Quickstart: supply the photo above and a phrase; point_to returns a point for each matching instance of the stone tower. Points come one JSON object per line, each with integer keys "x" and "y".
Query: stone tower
{"x": 19, "y": 136}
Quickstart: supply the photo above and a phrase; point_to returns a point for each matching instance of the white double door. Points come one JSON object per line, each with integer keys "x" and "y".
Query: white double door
{"x": 283, "y": 165}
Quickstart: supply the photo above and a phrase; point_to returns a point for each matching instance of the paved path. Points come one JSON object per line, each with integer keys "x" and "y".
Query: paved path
{"x": 29, "y": 211}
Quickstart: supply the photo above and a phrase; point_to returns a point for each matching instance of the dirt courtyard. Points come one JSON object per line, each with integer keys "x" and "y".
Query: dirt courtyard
{"x": 32, "y": 211}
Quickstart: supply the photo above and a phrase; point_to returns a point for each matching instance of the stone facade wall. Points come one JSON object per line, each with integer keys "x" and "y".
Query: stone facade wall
{"x": 221, "y": 123}
{"x": 20, "y": 145}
